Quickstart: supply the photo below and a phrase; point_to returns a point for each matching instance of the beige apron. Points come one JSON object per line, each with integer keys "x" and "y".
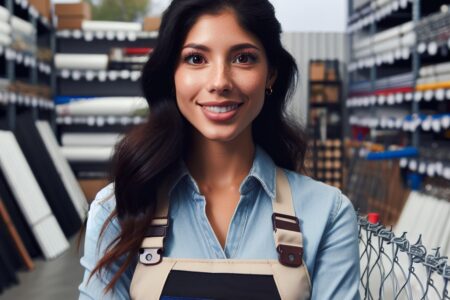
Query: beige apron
{"x": 289, "y": 271}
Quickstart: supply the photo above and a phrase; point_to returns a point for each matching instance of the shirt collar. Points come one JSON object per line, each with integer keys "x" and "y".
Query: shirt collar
{"x": 262, "y": 171}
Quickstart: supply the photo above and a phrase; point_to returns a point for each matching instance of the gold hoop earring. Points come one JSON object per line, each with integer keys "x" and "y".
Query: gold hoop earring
{"x": 269, "y": 91}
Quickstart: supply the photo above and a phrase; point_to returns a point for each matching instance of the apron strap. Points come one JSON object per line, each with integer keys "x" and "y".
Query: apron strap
{"x": 152, "y": 247}
{"x": 286, "y": 227}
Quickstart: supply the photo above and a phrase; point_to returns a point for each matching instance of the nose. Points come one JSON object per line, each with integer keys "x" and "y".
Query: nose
{"x": 220, "y": 79}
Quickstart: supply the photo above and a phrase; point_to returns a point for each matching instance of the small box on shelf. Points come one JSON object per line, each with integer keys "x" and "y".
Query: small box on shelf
{"x": 42, "y": 6}
{"x": 73, "y": 10}
{"x": 71, "y": 15}
{"x": 317, "y": 71}
{"x": 151, "y": 23}
{"x": 69, "y": 23}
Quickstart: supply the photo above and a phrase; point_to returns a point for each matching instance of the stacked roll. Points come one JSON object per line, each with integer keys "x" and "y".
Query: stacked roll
{"x": 388, "y": 41}
{"x": 434, "y": 77}
{"x": 433, "y": 30}
{"x": 101, "y": 111}
{"x": 81, "y": 61}
{"x": 104, "y": 106}
{"x": 23, "y": 36}
{"x": 390, "y": 90}
{"x": 5, "y": 28}
{"x": 384, "y": 47}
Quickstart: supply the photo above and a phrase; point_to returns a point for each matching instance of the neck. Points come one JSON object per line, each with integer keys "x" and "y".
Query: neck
{"x": 216, "y": 164}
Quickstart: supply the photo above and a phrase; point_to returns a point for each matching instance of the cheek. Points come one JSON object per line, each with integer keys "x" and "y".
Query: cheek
{"x": 252, "y": 83}
{"x": 185, "y": 88}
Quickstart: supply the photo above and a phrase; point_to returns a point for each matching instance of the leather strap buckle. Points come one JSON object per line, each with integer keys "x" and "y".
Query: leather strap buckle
{"x": 157, "y": 231}
{"x": 281, "y": 221}
{"x": 290, "y": 256}
{"x": 150, "y": 256}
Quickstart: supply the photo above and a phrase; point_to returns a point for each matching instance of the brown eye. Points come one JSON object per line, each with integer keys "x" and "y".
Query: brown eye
{"x": 194, "y": 59}
{"x": 245, "y": 58}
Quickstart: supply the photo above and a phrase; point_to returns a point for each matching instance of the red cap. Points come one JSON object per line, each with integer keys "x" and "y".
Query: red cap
{"x": 373, "y": 217}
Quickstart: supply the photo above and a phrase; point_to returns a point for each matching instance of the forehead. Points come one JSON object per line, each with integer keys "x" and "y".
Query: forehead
{"x": 219, "y": 29}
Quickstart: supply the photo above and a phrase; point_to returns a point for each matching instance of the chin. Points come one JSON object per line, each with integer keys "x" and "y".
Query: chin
{"x": 220, "y": 135}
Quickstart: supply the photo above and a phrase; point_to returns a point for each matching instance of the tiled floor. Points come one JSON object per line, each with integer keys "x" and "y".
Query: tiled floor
{"x": 50, "y": 280}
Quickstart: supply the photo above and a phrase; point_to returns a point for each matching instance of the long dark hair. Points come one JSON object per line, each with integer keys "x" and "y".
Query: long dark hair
{"x": 150, "y": 152}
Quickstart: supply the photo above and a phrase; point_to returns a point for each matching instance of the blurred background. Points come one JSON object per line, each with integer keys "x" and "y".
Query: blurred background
{"x": 373, "y": 93}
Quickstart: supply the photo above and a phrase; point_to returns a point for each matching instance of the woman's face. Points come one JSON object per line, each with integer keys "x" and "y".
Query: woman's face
{"x": 221, "y": 77}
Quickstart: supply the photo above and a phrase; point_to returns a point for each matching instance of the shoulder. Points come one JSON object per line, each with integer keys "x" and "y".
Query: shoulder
{"x": 101, "y": 209}
{"x": 316, "y": 198}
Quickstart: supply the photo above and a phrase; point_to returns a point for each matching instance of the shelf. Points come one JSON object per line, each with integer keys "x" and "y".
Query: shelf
{"x": 100, "y": 75}
{"x": 325, "y": 82}
{"x": 90, "y": 36}
{"x": 25, "y": 101}
{"x": 374, "y": 13}
{"x": 430, "y": 168}
{"x": 100, "y": 121}
{"x": 331, "y": 105}
{"x": 411, "y": 123}
{"x": 26, "y": 60}
{"x": 33, "y": 13}
{"x": 389, "y": 58}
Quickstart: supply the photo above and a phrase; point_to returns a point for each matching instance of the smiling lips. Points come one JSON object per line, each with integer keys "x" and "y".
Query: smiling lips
{"x": 220, "y": 111}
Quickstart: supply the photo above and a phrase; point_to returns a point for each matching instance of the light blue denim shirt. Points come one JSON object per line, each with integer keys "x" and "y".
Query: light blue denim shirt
{"x": 327, "y": 220}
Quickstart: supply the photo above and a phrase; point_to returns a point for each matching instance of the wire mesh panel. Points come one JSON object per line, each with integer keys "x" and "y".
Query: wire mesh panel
{"x": 392, "y": 267}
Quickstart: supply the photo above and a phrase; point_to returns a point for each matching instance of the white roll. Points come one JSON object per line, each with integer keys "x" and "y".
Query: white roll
{"x": 443, "y": 78}
{"x": 386, "y": 45}
{"x": 117, "y": 106}
{"x": 88, "y": 154}
{"x": 22, "y": 26}
{"x": 362, "y": 43}
{"x": 89, "y": 25}
{"x": 427, "y": 71}
{"x": 81, "y": 61}
{"x": 5, "y": 40}
{"x": 5, "y": 28}
{"x": 408, "y": 39}
{"x": 388, "y": 34}
{"x": 4, "y": 14}
{"x": 407, "y": 27}
{"x": 363, "y": 53}
{"x": 442, "y": 68}
{"x": 90, "y": 139}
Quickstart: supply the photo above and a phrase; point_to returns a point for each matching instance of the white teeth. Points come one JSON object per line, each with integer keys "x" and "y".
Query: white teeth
{"x": 221, "y": 109}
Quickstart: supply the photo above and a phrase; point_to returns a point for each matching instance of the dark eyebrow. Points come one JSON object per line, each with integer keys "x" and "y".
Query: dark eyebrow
{"x": 234, "y": 48}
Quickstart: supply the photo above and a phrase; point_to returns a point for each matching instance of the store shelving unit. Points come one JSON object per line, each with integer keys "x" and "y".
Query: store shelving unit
{"x": 325, "y": 160}
{"x": 89, "y": 83}
{"x": 25, "y": 94}
{"x": 399, "y": 75}
{"x": 28, "y": 67}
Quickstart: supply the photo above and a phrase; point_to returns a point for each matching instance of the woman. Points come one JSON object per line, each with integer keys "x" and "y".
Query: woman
{"x": 238, "y": 226}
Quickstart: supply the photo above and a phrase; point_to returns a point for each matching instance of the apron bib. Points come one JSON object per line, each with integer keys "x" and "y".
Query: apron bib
{"x": 158, "y": 277}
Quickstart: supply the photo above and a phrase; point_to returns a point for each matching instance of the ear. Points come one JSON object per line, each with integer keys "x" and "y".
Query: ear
{"x": 272, "y": 76}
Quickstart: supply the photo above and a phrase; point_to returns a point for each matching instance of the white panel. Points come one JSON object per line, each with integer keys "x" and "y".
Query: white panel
{"x": 21, "y": 180}
{"x": 90, "y": 139}
{"x": 50, "y": 237}
{"x": 30, "y": 198}
{"x": 63, "y": 168}
{"x": 88, "y": 154}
